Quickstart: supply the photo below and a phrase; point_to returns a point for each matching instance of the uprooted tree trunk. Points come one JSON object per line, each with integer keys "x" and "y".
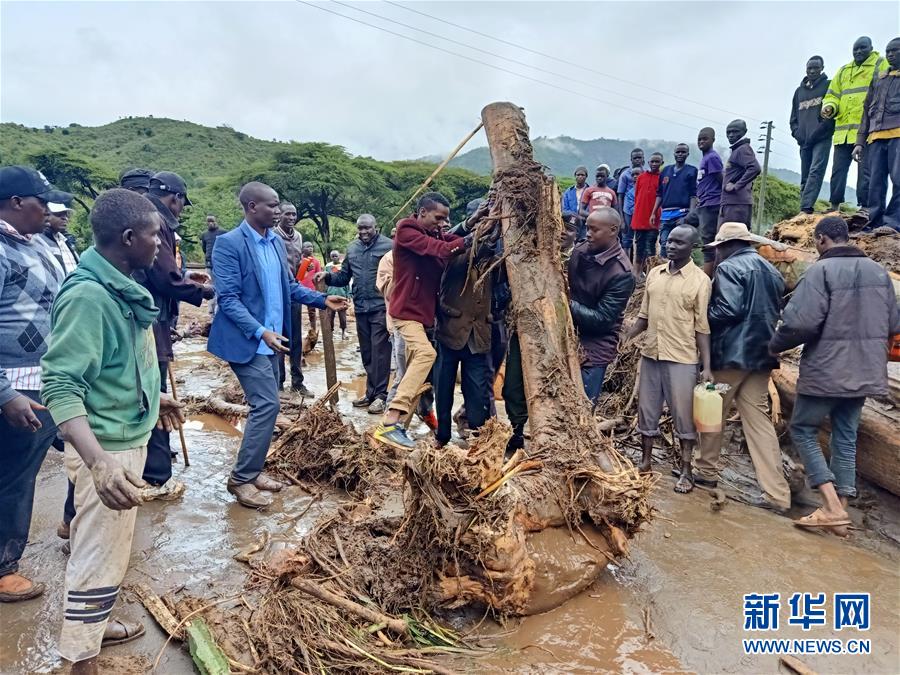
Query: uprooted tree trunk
{"x": 572, "y": 476}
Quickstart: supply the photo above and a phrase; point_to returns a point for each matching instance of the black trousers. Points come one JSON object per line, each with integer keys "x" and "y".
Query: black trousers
{"x": 475, "y": 376}
{"x": 375, "y": 349}
{"x": 158, "y": 467}
{"x": 841, "y": 168}
{"x": 883, "y": 157}
{"x": 296, "y": 355}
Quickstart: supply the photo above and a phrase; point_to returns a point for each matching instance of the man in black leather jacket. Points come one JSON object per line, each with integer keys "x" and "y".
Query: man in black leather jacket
{"x": 600, "y": 283}
{"x": 743, "y": 310}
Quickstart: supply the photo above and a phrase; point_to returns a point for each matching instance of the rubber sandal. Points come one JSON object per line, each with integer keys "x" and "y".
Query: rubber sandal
{"x": 33, "y": 591}
{"x": 128, "y": 637}
{"x": 817, "y": 520}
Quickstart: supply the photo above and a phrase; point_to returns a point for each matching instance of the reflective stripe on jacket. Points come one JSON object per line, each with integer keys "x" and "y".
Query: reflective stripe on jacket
{"x": 847, "y": 94}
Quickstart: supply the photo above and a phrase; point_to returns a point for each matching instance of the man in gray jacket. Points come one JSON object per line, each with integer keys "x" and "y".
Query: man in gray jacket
{"x": 361, "y": 265}
{"x": 843, "y": 312}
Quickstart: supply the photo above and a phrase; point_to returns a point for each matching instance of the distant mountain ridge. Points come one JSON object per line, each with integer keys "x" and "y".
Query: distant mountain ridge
{"x": 562, "y": 154}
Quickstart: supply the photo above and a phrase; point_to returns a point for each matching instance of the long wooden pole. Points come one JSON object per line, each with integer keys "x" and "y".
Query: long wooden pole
{"x": 184, "y": 451}
{"x": 328, "y": 344}
{"x": 439, "y": 168}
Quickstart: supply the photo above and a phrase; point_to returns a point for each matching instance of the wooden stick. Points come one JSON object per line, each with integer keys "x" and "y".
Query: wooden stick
{"x": 314, "y": 589}
{"x": 439, "y": 168}
{"x": 184, "y": 451}
{"x": 158, "y": 610}
{"x": 796, "y": 665}
{"x": 328, "y": 344}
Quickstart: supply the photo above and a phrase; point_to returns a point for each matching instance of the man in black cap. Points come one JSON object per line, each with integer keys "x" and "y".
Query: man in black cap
{"x": 29, "y": 281}
{"x": 136, "y": 180}
{"x": 167, "y": 284}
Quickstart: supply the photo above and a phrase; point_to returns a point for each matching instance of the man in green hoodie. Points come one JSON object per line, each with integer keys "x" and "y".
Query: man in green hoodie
{"x": 101, "y": 385}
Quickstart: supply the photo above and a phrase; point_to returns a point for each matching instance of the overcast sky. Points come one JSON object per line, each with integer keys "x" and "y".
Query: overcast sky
{"x": 288, "y": 70}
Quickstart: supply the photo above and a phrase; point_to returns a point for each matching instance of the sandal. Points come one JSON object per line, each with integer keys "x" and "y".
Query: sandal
{"x": 126, "y": 632}
{"x": 818, "y": 520}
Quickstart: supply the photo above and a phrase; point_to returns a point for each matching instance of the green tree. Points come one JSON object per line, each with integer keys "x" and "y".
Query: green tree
{"x": 322, "y": 181}
{"x": 73, "y": 174}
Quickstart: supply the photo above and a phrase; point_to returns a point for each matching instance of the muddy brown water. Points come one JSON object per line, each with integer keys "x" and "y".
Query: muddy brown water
{"x": 674, "y": 606}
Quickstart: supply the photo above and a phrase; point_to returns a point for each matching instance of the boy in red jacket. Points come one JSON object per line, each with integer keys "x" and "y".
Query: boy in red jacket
{"x": 645, "y": 232}
{"x": 420, "y": 253}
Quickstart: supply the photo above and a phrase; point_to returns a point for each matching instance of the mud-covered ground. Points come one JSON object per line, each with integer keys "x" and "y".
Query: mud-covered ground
{"x": 675, "y": 606}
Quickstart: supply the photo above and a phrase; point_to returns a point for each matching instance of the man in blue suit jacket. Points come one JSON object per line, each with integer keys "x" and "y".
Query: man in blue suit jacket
{"x": 253, "y": 325}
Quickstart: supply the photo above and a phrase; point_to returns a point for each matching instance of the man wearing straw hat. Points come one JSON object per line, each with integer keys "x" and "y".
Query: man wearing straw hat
{"x": 743, "y": 310}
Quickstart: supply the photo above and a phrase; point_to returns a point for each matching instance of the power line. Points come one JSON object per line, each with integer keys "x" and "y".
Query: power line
{"x": 519, "y": 63}
{"x": 496, "y": 67}
{"x": 575, "y": 64}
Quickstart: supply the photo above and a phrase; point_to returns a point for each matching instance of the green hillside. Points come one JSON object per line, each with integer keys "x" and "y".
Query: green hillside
{"x": 329, "y": 186}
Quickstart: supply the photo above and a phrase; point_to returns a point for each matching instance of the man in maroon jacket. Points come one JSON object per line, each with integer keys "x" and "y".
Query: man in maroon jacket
{"x": 421, "y": 250}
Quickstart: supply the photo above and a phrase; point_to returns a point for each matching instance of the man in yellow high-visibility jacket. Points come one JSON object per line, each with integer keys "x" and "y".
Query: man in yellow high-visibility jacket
{"x": 844, "y": 103}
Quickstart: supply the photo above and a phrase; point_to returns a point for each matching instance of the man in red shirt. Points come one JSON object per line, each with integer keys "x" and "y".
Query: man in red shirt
{"x": 645, "y": 233}
{"x": 306, "y": 272}
{"x": 599, "y": 195}
{"x": 421, "y": 251}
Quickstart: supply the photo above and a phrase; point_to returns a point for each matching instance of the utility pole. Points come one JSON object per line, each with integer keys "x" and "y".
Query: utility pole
{"x": 760, "y": 212}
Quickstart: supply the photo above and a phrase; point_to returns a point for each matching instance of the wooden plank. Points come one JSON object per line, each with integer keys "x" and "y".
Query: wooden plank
{"x": 158, "y": 610}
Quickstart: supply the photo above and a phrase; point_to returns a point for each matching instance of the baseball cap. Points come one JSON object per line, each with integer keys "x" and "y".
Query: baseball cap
{"x": 167, "y": 181}
{"x": 136, "y": 178}
{"x": 23, "y": 181}
{"x": 56, "y": 207}
{"x": 732, "y": 232}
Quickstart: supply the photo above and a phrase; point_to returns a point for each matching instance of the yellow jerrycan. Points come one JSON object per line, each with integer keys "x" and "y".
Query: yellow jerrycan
{"x": 707, "y": 408}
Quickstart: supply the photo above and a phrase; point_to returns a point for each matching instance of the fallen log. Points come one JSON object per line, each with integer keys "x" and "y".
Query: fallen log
{"x": 878, "y": 438}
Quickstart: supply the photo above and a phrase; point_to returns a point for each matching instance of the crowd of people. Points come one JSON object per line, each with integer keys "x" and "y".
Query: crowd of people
{"x": 86, "y": 344}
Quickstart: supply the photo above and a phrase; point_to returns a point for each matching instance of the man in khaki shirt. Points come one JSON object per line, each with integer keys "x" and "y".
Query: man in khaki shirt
{"x": 673, "y": 313}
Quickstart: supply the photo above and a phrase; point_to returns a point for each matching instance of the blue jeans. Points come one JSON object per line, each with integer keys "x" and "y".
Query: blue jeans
{"x": 259, "y": 380}
{"x": 809, "y": 413}
{"x": 21, "y": 454}
{"x": 813, "y": 162}
{"x": 592, "y": 378}
{"x": 475, "y": 377}
{"x": 626, "y": 236}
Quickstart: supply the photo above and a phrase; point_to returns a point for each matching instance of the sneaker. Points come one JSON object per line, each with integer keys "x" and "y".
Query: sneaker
{"x": 303, "y": 391}
{"x": 393, "y": 435}
{"x": 430, "y": 420}
{"x": 170, "y": 490}
{"x": 361, "y": 402}
{"x": 377, "y": 407}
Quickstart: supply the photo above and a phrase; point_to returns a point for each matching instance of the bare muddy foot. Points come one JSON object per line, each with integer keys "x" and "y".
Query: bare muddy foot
{"x": 685, "y": 484}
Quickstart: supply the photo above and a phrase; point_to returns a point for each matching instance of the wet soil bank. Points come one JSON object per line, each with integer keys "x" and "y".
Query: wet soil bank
{"x": 675, "y": 606}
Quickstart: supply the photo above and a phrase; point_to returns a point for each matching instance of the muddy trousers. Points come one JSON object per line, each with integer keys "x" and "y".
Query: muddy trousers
{"x": 259, "y": 380}
{"x": 101, "y": 548}
{"x": 398, "y": 355}
{"x": 806, "y": 420}
{"x": 749, "y": 392}
{"x": 158, "y": 468}
{"x": 342, "y": 318}
{"x": 420, "y": 356}
{"x": 21, "y": 453}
